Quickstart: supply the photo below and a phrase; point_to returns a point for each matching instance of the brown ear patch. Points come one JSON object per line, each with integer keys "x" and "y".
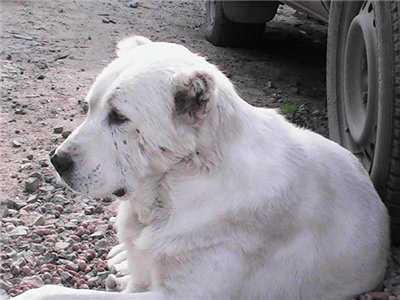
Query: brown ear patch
{"x": 193, "y": 93}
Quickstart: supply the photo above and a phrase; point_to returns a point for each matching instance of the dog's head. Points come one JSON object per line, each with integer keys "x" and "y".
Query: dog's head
{"x": 145, "y": 112}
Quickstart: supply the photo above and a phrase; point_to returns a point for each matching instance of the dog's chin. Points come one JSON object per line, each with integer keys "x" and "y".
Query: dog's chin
{"x": 91, "y": 191}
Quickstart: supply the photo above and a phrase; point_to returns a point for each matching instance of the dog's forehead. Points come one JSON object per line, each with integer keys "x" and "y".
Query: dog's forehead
{"x": 117, "y": 73}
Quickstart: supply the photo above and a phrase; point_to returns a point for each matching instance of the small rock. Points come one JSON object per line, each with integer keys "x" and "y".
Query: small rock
{"x": 32, "y": 198}
{"x": 270, "y": 84}
{"x": 26, "y": 166}
{"x": 46, "y": 276}
{"x": 82, "y": 265}
{"x": 40, "y": 77}
{"x": 59, "y": 199}
{"x": 66, "y": 134}
{"x": 65, "y": 276}
{"x": 32, "y": 184}
{"x": 47, "y": 188}
{"x": 108, "y": 20}
{"x": 10, "y": 212}
{"x": 16, "y": 204}
{"x": 16, "y": 144}
{"x": 19, "y": 231}
{"x": 10, "y": 227}
{"x": 39, "y": 221}
{"x": 33, "y": 281}
{"x": 14, "y": 221}
{"x": 101, "y": 244}
{"x": 29, "y": 156}
{"x": 20, "y": 111}
{"x": 58, "y": 130}
{"x": 43, "y": 163}
{"x": 61, "y": 245}
{"x": 90, "y": 254}
{"x": 36, "y": 175}
{"x": 133, "y": 4}
{"x": 6, "y": 285}
{"x": 49, "y": 206}
{"x": 29, "y": 207}
{"x": 97, "y": 234}
{"x": 14, "y": 269}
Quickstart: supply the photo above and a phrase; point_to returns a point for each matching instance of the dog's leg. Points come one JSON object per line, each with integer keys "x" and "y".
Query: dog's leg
{"x": 139, "y": 266}
{"x": 55, "y": 292}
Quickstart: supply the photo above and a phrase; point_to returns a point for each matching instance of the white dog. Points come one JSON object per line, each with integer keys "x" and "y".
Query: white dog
{"x": 222, "y": 200}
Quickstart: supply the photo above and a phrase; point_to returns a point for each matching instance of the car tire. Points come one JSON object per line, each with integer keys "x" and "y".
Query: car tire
{"x": 220, "y": 31}
{"x": 363, "y": 91}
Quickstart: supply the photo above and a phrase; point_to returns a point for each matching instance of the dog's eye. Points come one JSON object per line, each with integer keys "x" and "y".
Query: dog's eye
{"x": 115, "y": 117}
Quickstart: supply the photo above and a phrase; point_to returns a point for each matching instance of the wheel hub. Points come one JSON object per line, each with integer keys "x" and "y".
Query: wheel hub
{"x": 360, "y": 77}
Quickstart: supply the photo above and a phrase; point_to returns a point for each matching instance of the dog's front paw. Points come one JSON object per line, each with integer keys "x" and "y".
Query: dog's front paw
{"x": 117, "y": 260}
{"x": 124, "y": 284}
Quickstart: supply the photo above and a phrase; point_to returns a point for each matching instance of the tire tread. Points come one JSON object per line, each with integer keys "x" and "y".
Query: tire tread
{"x": 393, "y": 184}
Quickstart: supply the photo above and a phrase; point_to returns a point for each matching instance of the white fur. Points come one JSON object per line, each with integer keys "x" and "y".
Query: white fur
{"x": 240, "y": 204}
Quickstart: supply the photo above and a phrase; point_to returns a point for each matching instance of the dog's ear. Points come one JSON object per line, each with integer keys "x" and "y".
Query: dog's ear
{"x": 126, "y": 45}
{"x": 193, "y": 93}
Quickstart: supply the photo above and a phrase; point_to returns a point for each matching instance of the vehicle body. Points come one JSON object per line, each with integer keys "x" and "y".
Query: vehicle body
{"x": 363, "y": 77}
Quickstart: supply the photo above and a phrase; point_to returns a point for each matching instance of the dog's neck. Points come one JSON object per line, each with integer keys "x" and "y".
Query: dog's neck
{"x": 160, "y": 196}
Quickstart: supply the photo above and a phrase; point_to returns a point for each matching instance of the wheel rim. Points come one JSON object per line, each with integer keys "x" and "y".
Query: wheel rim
{"x": 361, "y": 85}
{"x": 211, "y": 9}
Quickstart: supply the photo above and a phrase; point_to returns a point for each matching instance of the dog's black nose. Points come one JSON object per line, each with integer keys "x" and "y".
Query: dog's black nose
{"x": 61, "y": 161}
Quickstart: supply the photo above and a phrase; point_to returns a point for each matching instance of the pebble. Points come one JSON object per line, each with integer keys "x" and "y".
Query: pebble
{"x": 108, "y": 20}
{"x": 90, "y": 254}
{"x": 58, "y": 129}
{"x": 18, "y": 231}
{"x": 8, "y": 212}
{"x": 26, "y": 270}
{"x": 133, "y": 4}
{"x": 36, "y": 175}
{"x": 39, "y": 221}
{"x": 16, "y": 203}
{"x": 26, "y": 166}
{"x": 32, "y": 184}
{"x": 47, "y": 188}
{"x": 13, "y": 221}
{"x": 32, "y": 198}
{"x": 66, "y": 134}
{"x": 16, "y": 144}
{"x": 43, "y": 163}
{"x": 4, "y": 284}
{"x": 270, "y": 84}
{"x": 29, "y": 207}
{"x": 65, "y": 276}
{"x": 61, "y": 245}
{"x": 82, "y": 265}
{"x": 20, "y": 111}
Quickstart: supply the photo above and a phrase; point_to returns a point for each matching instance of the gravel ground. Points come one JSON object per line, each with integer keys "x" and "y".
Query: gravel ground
{"x": 51, "y": 52}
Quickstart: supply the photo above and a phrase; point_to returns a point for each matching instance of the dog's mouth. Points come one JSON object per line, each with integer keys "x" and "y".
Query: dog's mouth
{"x": 120, "y": 192}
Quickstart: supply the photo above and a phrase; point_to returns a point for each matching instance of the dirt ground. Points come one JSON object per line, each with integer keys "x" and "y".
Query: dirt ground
{"x": 51, "y": 52}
